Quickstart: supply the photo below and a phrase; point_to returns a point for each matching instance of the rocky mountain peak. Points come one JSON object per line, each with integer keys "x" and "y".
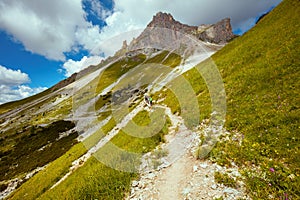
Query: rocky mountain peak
{"x": 164, "y": 32}
{"x": 160, "y": 16}
{"x": 166, "y": 20}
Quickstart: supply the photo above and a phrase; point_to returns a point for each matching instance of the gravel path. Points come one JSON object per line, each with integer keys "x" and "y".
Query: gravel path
{"x": 180, "y": 175}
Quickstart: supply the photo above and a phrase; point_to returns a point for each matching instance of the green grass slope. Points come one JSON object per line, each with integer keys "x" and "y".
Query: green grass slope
{"x": 37, "y": 147}
{"x": 262, "y": 82}
{"x": 261, "y": 77}
{"x": 107, "y": 183}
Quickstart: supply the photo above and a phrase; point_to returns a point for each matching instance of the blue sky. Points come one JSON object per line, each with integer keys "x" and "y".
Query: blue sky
{"x": 43, "y": 42}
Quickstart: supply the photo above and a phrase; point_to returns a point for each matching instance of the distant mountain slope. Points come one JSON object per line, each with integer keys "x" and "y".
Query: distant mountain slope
{"x": 219, "y": 33}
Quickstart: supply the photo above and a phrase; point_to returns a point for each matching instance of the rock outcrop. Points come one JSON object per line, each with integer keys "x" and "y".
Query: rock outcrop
{"x": 164, "y": 32}
{"x": 166, "y": 20}
{"x": 218, "y": 33}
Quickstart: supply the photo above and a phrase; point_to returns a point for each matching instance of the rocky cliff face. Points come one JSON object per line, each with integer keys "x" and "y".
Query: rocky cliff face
{"x": 164, "y": 30}
{"x": 218, "y": 33}
{"x": 165, "y": 20}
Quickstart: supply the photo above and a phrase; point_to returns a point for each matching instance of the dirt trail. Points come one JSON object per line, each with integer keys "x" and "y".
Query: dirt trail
{"x": 172, "y": 179}
{"x": 180, "y": 175}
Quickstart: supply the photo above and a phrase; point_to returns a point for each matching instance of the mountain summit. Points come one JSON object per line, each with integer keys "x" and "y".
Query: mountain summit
{"x": 166, "y": 20}
{"x": 218, "y": 33}
{"x": 164, "y": 32}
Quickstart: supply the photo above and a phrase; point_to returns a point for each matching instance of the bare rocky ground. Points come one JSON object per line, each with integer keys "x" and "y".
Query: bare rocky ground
{"x": 187, "y": 178}
{"x": 179, "y": 175}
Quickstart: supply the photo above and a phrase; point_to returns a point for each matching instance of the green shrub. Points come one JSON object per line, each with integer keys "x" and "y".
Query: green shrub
{"x": 225, "y": 179}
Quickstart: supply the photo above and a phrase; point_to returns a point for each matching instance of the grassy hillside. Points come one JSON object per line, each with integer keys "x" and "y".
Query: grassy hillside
{"x": 107, "y": 183}
{"x": 37, "y": 143}
{"x": 262, "y": 82}
{"x": 260, "y": 71}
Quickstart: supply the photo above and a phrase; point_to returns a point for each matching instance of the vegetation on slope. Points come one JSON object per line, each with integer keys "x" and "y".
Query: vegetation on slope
{"x": 45, "y": 179}
{"x": 95, "y": 180}
{"x": 261, "y": 80}
{"x": 35, "y": 148}
{"x": 117, "y": 69}
{"x": 261, "y": 75}
{"x": 110, "y": 178}
{"x": 166, "y": 58}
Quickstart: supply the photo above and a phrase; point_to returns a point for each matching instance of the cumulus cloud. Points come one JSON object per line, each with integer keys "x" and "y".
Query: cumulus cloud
{"x": 52, "y": 28}
{"x": 8, "y": 94}
{"x": 72, "y": 66}
{"x": 127, "y": 20}
{"x": 193, "y": 12}
{"x": 88, "y": 37}
{"x": 44, "y": 27}
{"x": 12, "y": 85}
{"x": 11, "y": 77}
{"x": 97, "y": 9}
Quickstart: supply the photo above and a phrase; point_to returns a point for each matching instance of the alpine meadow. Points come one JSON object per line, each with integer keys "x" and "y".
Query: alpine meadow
{"x": 181, "y": 112}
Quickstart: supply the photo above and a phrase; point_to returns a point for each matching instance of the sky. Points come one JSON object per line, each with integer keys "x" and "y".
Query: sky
{"x": 42, "y": 42}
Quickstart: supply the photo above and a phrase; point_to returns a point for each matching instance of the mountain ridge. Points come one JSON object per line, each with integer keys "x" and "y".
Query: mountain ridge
{"x": 218, "y": 33}
{"x": 163, "y": 30}
{"x": 166, "y": 20}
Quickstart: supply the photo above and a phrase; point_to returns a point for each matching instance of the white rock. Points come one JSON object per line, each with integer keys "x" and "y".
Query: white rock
{"x": 141, "y": 185}
{"x": 235, "y": 173}
{"x": 135, "y": 183}
{"x": 214, "y": 186}
{"x": 204, "y": 165}
{"x": 132, "y": 195}
{"x": 230, "y": 191}
{"x": 186, "y": 191}
{"x": 195, "y": 168}
{"x": 150, "y": 176}
{"x": 219, "y": 168}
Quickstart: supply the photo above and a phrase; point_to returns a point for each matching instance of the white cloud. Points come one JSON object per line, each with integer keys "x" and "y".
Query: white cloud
{"x": 52, "y": 28}
{"x": 12, "y": 77}
{"x": 98, "y": 10}
{"x": 72, "y": 66}
{"x": 89, "y": 37}
{"x": 43, "y": 27}
{"x": 12, "y": 85}
{"x": 130, "y": 17}
{"x": 193, "y": 12}
{"x": 8, "y": 94}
